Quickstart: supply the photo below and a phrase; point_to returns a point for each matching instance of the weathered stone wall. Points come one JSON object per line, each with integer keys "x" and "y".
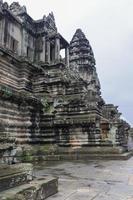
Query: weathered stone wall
{"x": 43, "y": 99}
{"x": 20, "y": 118}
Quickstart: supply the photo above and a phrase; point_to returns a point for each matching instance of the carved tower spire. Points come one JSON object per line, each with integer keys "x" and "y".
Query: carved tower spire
{"x": 82, "y": 59}
{"x": 80, "y": 50}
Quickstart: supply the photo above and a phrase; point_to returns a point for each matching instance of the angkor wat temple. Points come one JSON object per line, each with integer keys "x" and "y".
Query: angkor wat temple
{"x": 48, "y": 99}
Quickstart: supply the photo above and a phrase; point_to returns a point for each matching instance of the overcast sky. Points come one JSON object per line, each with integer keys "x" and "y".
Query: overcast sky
{"x": 108, "y": 24}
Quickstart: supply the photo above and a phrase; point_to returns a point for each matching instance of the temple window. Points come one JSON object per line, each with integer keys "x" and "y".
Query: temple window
{"x": 13, "y": 44}
{"x": 29, "y": 53}
{"x": 52, "y": 52}
{"x": 62, "y": 53}
{"x": 38, "y": 48}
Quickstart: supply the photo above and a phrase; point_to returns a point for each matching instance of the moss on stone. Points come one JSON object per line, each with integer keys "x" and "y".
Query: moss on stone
{"x": 27, "y": 156}
{"x": 31, "y": 153}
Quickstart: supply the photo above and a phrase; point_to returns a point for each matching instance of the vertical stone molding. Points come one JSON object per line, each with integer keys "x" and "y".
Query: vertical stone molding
{"x": 48, "y": 51}
{"x": 43, "y": 54}
{"x": 67, "y": 56}
{"x": 23, "y": 47}
{"x": 57, "y": 48}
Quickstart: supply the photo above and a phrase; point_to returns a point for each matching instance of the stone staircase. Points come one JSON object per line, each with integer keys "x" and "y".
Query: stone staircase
{"x": 17, "y": 182}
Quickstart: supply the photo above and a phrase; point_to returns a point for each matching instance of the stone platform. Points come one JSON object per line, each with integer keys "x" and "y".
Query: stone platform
{"x": 91, "y": 180}
{"x": 17, "y": 182}
{"x": 92, "y": 153}
{"x": 38, "y": 189}
{"x": 15, "y": 175}
{"x": 73, "y": 153}
{"x": 82, "y": 157}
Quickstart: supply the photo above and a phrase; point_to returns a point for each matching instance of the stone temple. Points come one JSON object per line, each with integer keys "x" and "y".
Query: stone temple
{"x": 47, "y": 100}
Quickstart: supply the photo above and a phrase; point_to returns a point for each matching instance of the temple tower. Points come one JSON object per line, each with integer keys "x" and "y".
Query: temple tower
{"x": 82, "y": 59}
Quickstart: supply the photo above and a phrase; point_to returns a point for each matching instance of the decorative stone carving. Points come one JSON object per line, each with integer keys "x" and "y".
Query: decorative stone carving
{"x": 51, "y": 19}
{"x": 17, "y": 9}
{"x": 1, "y": 3}
{"x": 5, "y": 5}
{"x": 82, "y": 58}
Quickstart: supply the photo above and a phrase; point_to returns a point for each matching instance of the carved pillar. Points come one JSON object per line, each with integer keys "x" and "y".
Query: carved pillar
{"x": 2, "y": 24}
{"x": 1, "y": 3}
{"x": 43, "y": 57}
{"x": 47, "y": 51}
{"x": 67, "y": 56}
{"x": 23, "y": 43}
{"x": 57, "y": 48}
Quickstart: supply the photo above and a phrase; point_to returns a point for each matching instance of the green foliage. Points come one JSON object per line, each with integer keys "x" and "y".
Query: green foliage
{"x": 30, "y": 154}
{"x": 5, "y": 91}
{"x": 47, "y": 106}
{"x": 3, "y": 135}
{"x": 27, "y": 156}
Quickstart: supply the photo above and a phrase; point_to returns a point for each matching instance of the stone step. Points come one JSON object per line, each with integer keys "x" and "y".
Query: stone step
{"x": 14, "y": 175}
{"x": 36, "y": 140}
{"x": 91, "y": 156}
{"x": 38, "y": 189}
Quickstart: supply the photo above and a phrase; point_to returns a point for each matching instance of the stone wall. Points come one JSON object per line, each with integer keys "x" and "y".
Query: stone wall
{"x": 45, "y": 99}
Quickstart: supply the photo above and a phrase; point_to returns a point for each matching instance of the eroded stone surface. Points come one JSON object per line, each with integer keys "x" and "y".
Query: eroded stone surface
{"x": 14, "y": 175}
{"x": 38, "y": 189}
{"x": 48, "y": 99}
{"x": 92, "y": 180}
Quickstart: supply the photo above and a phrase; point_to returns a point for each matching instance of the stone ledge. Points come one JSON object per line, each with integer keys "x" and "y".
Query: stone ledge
{"x": 15, "y": 175}
{"x": 38, "y": 189}
{"x": 122, "y": 156}
{"x": 80, "y": 156}
{"x": 66, "y": 153}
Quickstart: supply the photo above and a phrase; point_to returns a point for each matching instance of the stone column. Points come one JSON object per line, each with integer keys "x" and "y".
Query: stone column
{"x": 47, "y": 51}
{"x": 67, "y": 56}
{"x": 2, "y": 23}
{"x": 23, "y": 43}
{"x": 43, "y": 57}
{"x": 1, "y": 3}
{"x": 57, "y": 48}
